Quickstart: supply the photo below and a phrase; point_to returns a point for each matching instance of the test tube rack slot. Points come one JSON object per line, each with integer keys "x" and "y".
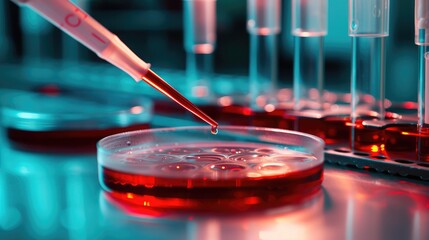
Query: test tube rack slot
{"x": 378, "y": 163}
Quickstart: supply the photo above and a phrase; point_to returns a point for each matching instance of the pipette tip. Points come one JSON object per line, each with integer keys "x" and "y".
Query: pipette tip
{"x": 214, "y": 129}
{"x": 159, "y": 84}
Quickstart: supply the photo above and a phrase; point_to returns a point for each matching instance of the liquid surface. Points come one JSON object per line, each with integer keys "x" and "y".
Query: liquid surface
{"x": 210, "y": 161}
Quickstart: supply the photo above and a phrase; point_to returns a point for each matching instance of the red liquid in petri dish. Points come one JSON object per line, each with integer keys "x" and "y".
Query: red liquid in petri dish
{"x": 219, "y": 177}
{"x": 64, "y": 140}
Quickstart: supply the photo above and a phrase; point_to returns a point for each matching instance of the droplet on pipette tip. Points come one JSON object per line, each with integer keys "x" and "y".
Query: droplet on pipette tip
{"x": 214, "y": 129}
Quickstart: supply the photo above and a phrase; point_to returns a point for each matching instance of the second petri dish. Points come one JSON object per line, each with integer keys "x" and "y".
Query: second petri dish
{"x": 53, "y": 118}
{"x": 188, "y": 168}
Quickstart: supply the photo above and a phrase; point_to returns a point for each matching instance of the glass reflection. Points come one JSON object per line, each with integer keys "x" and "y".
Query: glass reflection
{"x": 47, "y": 195}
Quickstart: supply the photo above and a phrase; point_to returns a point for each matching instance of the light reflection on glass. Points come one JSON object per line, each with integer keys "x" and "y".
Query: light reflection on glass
{"x": 51, "y": 192}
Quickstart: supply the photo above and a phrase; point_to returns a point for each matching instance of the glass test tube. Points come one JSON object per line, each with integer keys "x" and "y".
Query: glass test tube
{"x": 309, "y": 26}
{"x": 200, "y": 41}
{"x": 35, "y": 30}
{"x": 5, "y": 43}
{"x": 422, "y": 40}
{"x": 263, "y": 25}
{"x": 368, "y": 27}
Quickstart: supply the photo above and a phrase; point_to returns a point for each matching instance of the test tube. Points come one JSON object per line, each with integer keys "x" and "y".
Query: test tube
{"x": 368, "y": 27}
{"x": 35, "y": 32}
{"x": 5, "y": 43}
{"x": 422, "y": 41}
{"x": 200, "y": 40}
{"x": 309, "y": 26}
{"x": 263, "y": 25}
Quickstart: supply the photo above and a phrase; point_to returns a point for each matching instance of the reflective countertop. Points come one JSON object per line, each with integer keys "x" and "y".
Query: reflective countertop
{"x": 57, "y": 196}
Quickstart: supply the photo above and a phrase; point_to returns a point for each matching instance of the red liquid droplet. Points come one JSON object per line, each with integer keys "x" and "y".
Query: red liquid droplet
{"x": 214, "y": 129}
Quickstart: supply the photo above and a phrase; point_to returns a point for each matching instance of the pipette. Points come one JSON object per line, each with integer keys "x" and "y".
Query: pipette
{"x": 70, "y": 48}
{"x": 368, "y": 27}
{"x": 78, "y": 24}
{"x": 309, "y": 27}
{"x": 200, "y": 41}
{"x": 263, "y": 25}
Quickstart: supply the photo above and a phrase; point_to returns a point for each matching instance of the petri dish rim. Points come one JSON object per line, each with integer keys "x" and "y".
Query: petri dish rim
{"x": 115, "y": 151}
{"x": 56, "y": 113}
{"x": 101, "y": 148}
{"x": 131, "y": 179}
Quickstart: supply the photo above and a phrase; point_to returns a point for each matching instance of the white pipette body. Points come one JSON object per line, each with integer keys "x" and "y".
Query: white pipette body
{"x": 78, "y": 24}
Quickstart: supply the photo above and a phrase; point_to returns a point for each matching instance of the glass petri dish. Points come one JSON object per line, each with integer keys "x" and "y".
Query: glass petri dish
{"x": 189, "y": 168}
{"x": 55, "y": 118}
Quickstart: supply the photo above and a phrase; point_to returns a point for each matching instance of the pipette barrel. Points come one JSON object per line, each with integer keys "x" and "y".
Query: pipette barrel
{"x": 309, "y": 26}
{"x": 263, "y": 17}
{"x": 424, "y": 95}
{"x": 200, "y": 26}
{"x": 421, "y": 22}
{"x": 421, "y": 26}
{"x": 309, "y": 18}
{"x": 368, "y": 25}
{"x": 263, "y": 25}
{"x": 369, "y": 18}
{"x": 199, "y": 20}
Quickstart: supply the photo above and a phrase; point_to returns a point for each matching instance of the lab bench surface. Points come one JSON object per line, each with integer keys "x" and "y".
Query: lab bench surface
{"x": 57, "y": 196}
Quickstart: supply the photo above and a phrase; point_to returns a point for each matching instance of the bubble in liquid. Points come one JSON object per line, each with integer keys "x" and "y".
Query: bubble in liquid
{"x": 249, "y": 157}
{"x": 184, "y": 150}
{"x": 231, "y": 150}
{"x": 272, "y": 166}
{"x": 156, "y": 158}
{"x": 179, "y": 167}
{"x": 294, "y": 159}
{"x": 265, "y": 150}
{"x": 230, "y": 167}
{"x": 128, "y": 143}
{"x": 354, "y": 25}
{"x": 205, "y": 157}
{"x": 376, "y": 11}
{"x": 133, "y": 161}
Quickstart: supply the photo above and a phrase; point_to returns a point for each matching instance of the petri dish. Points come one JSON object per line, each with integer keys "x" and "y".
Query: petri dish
{"x": 55, "y": 118}
{"x": 189, "y": 168}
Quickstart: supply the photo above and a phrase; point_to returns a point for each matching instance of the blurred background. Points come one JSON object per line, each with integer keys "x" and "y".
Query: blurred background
{"x": 154, "y": 30}
{"x": 50, "y": 194}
